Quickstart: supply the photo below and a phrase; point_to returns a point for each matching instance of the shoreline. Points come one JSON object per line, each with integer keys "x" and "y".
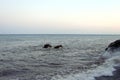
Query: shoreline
{"x": 115, "y": 76}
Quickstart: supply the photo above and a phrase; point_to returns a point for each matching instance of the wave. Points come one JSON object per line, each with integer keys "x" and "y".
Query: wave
{"x": 106, "y": 69}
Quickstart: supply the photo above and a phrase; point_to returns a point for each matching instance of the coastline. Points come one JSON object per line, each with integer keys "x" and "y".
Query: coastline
{"x": 115, "y": 76}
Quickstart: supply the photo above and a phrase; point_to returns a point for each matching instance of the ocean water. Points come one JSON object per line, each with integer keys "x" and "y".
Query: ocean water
{"x": 23, "y": 58}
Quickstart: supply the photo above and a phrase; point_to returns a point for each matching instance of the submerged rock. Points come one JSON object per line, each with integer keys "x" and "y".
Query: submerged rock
{"x": 58, "y": 46}
{"x": 47, "y": 46}
{"x": 113, "y": 46}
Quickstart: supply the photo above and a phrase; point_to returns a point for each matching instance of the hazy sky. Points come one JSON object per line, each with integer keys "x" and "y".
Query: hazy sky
{"x": 60, "y": 16}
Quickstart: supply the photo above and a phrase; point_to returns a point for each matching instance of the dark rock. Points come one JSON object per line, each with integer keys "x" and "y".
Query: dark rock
{"x": 113, "y": 46}
{"x": 47, "y": 46}
{"x": 58, "y": 46}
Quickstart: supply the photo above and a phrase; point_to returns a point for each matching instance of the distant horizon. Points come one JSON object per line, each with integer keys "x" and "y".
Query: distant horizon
{"x": 59, "y": 34}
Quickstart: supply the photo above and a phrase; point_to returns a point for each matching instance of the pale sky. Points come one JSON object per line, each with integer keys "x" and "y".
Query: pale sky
{"x": 59, "y": 16}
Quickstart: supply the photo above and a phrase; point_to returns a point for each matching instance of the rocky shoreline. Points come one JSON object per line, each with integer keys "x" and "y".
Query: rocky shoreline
{"x": 116, "y": 75}
{"x": 112, "y": 47}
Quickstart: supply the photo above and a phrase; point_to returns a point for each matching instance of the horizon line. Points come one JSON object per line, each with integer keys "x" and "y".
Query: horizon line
{"x": 56, "y": 34}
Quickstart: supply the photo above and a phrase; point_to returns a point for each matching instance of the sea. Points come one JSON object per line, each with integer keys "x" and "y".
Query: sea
{"x": 22, "y": 56}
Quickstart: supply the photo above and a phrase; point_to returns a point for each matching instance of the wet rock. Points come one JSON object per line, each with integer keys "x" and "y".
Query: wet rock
{"x": 47, "y": 46}
{"x": 58, "y": 46}
{"x": 113, "y": 46}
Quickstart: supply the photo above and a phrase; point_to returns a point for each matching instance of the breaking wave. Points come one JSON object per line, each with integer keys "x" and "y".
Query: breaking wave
{"x": 106, "y": 69}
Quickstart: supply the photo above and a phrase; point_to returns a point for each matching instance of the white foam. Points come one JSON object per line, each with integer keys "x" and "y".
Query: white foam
{"x": 109, "y": 54}
{"x": 106, "y": 55}
{"x": 105, "y": 69}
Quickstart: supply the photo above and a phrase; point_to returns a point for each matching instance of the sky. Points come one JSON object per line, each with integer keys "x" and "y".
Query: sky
{"x": 59, "y": 16}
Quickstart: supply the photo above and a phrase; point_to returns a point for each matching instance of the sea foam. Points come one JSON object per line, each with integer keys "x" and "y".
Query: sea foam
{"x": 106, "y": 69}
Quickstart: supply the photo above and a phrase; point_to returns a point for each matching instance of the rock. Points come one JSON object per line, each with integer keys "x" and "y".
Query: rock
{"x": 113, "y": 46}
{"x": 58, "y": 46}
{"x": 47, "y": 46}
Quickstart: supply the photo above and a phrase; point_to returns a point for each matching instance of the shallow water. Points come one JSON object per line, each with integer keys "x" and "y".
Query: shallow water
{"x": 23, "y": 58}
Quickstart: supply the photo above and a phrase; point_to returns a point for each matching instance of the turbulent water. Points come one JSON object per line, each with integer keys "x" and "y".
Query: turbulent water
{"x": 23, "y": 58}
